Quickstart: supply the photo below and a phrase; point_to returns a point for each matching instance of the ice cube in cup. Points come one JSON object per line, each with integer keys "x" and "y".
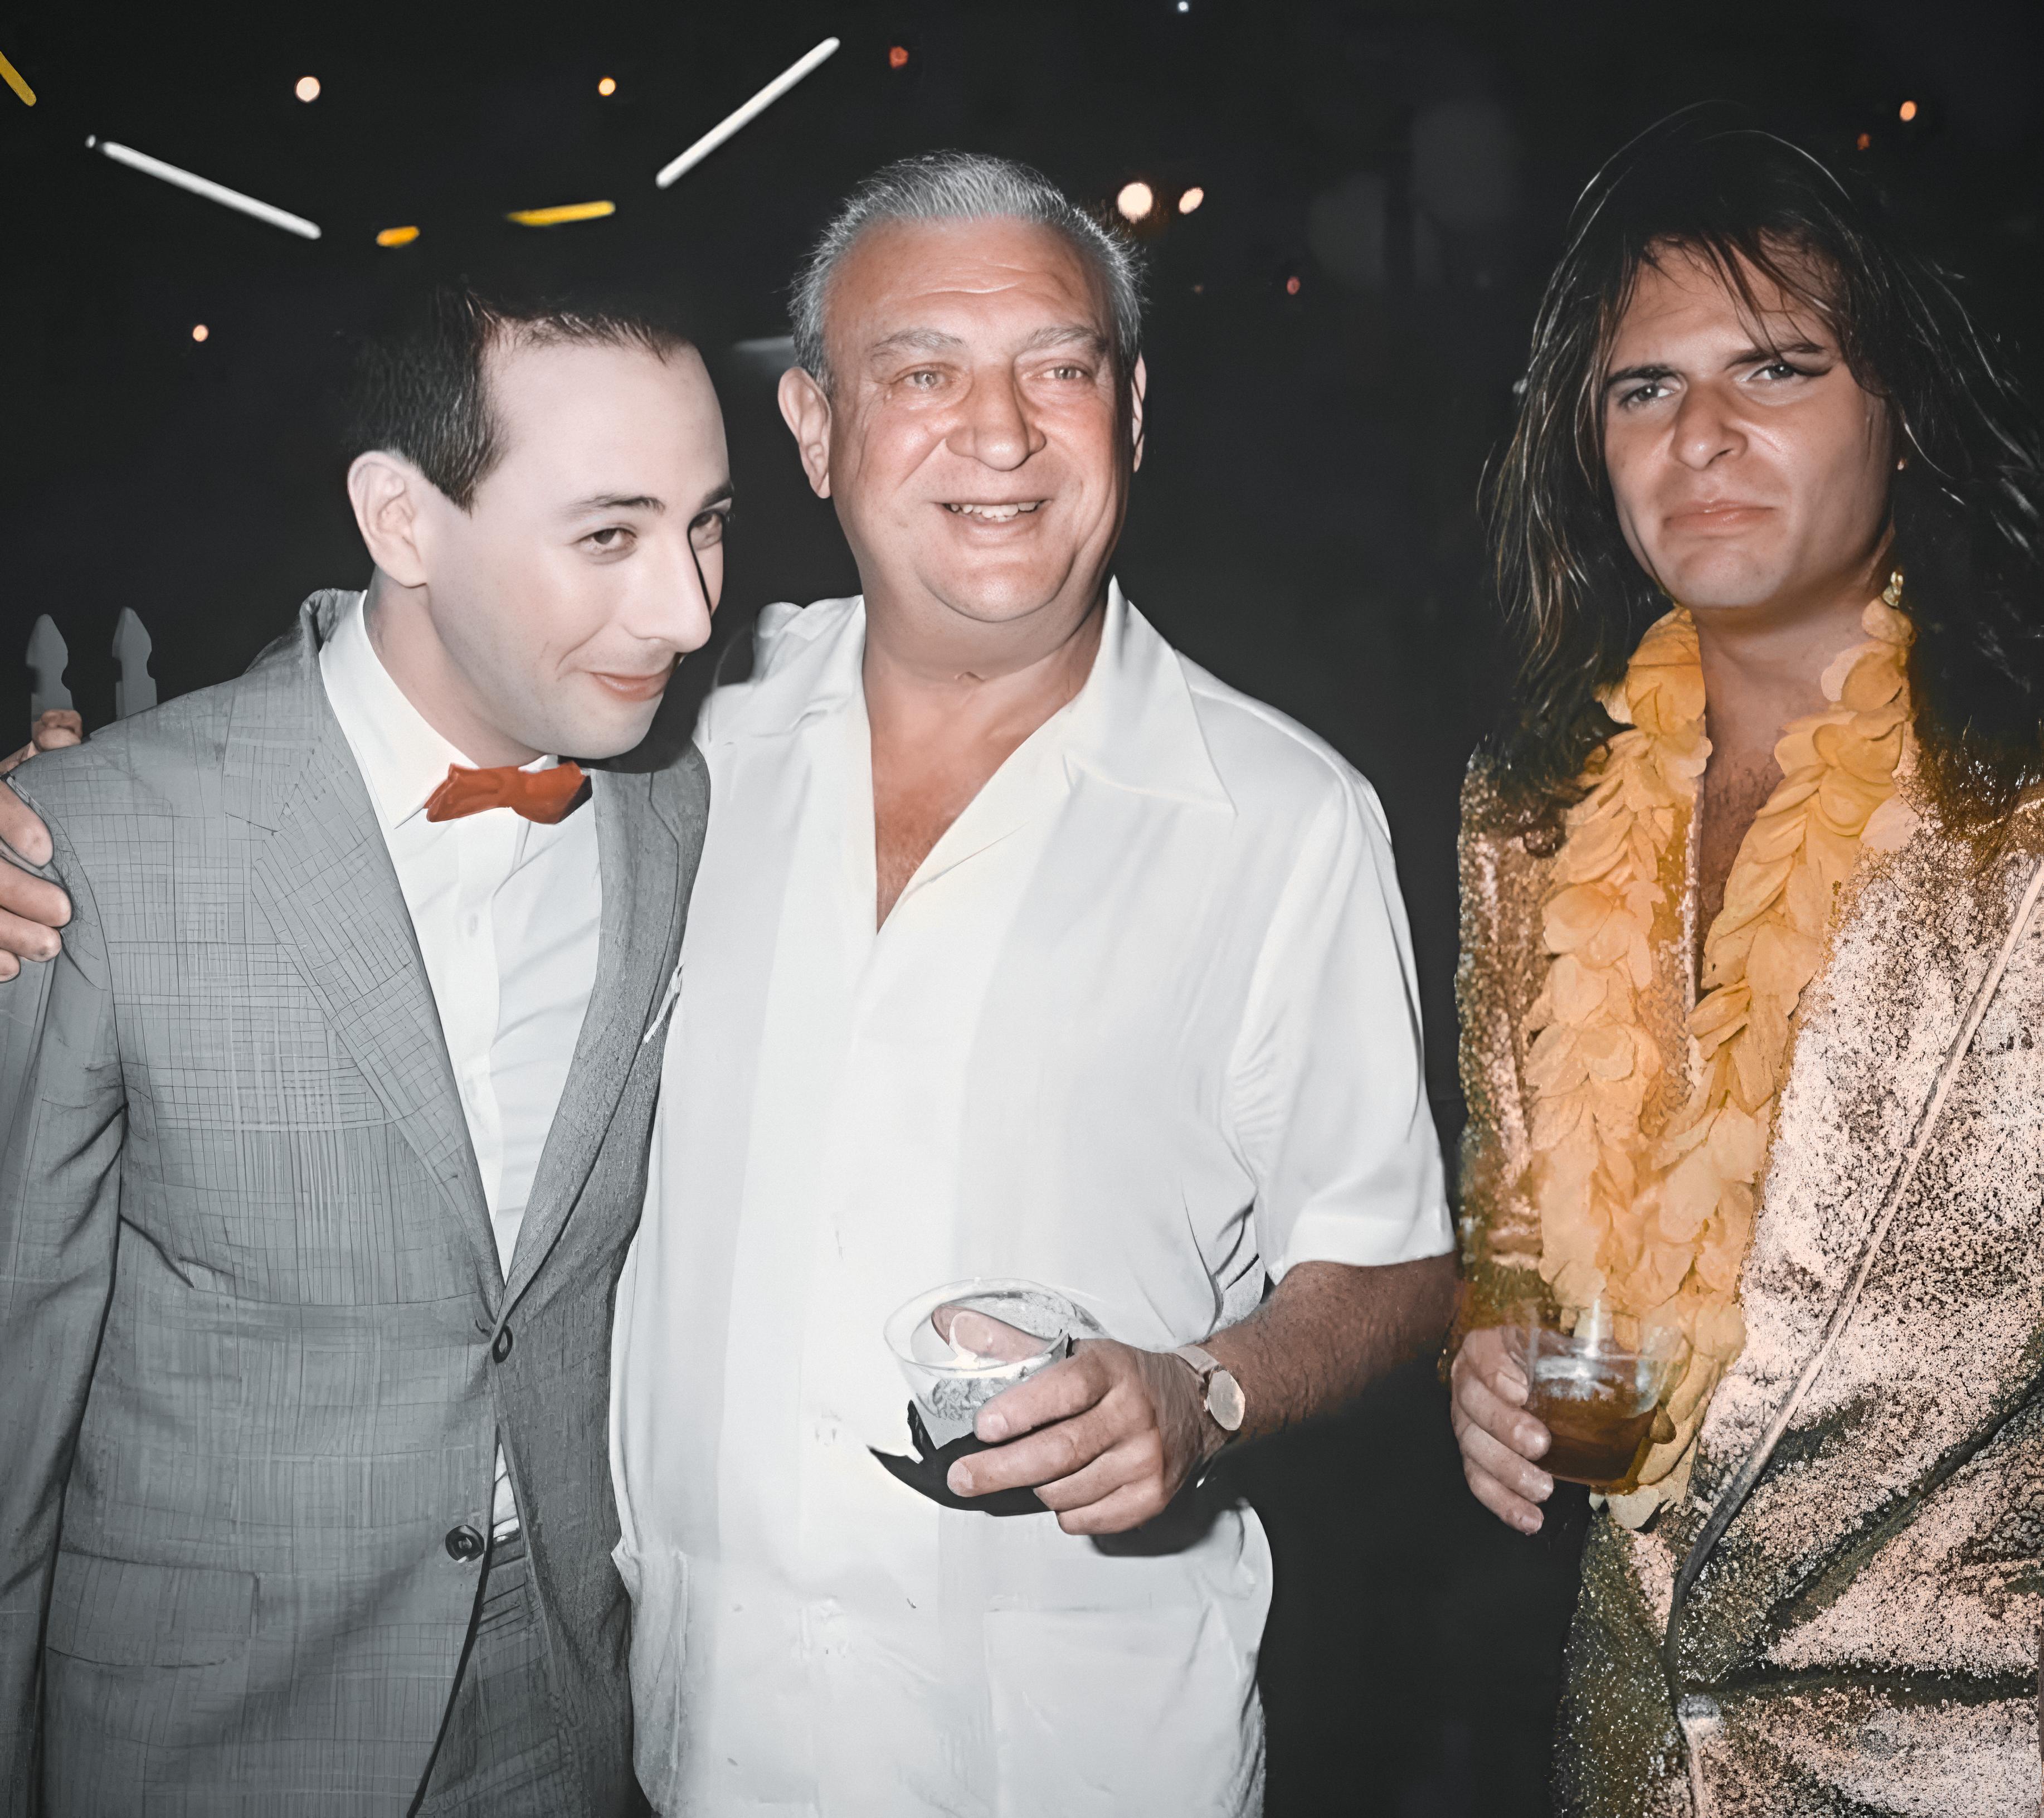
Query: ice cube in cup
{"x": 955, "y": 1364}
{"x": 1595, "y": 1396}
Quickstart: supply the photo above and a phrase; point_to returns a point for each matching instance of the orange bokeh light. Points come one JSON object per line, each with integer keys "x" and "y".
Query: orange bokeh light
{"x": 1864, "y": 140}
{"x": 306, "y": 88}
{"x": 1907, "y": 110}
{"x": 200, "y": 331}
{"x": 607, "y": 85}
{"x": 1292, "y": 287}
{"x": 898, "y": 56}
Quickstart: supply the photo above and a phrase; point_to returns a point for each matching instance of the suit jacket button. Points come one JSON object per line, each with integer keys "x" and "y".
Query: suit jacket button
{"x": 463, "y": 1543}
{"x": 502, "y": 1349}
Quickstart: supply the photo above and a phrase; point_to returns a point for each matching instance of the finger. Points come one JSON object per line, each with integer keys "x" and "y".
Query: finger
{"x": 1056, "y": 1451}
{"x": 1487, "y": 1364}
{"x": 8, "y": 966}
{"x": 1126, "y": 1508}
{"x": 1134, "y": 1462}
{"x": 25, "y": 939}
{"x": 55, "y": 729}
{"x": 21, "y": 829}
{"x": 13, "y": 757}
{"x": 1514, "y": 1511}
{"x": 32, "y": 899}
{"x": 1511, "y": 1426}
{"x": 977, "y": 1332}
{"x": 1056, "y": 1393}
{"x": 1516, "y": 1473}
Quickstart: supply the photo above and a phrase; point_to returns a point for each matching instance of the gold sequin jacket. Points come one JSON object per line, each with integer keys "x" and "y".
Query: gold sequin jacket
{"x": 1855, "y": 1575}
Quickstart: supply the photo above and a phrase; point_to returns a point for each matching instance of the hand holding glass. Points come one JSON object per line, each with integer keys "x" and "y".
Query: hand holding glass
{"x": 1595, "y": 1397}
{"x": 961, "y": 1345}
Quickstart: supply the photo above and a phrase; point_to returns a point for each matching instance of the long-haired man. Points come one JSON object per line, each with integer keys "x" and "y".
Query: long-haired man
{"x": 1753, "y": 972}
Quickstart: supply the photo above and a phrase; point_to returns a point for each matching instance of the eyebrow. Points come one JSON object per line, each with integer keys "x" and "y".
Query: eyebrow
{"x": 717, "y": 494}
{"x": 926, "y": 340}
{"x": 935, "y": 340}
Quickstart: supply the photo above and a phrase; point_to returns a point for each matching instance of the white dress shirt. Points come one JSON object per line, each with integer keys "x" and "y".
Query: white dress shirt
{"x": 1141, "y": 1028}
{"x": 508, "y": 914}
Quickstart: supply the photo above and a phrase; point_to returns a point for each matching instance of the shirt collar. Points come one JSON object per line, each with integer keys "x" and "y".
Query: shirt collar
{"x": 402, "y": 759}
{"x": 1133, "y": 725}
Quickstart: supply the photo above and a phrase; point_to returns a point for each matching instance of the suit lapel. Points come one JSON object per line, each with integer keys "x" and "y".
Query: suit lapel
{"x": 323, "y": 878}
{"x": 639, "y": 856}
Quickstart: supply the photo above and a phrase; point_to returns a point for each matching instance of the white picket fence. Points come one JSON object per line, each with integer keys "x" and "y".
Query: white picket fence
{"x": 49, "y": 656}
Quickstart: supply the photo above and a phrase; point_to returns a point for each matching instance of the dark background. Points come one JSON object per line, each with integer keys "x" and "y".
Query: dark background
{"x": 1332, "y": 340}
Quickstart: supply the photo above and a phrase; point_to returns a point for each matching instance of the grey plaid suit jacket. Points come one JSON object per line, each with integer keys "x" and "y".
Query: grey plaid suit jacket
{"x": 251, "y": 1308}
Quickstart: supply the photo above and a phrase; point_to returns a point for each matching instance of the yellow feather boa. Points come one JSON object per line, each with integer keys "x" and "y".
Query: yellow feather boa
{"x": 1652, "y": 1221}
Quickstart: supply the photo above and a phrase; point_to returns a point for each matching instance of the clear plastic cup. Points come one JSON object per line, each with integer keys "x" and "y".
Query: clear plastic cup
{"x": 1022, "y": 1329}
{"x": 1595, "y": 1397}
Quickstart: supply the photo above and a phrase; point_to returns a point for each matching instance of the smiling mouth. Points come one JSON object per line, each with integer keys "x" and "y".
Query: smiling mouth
{"x": 994, "y": 514}
{"x": 636, "y": 687}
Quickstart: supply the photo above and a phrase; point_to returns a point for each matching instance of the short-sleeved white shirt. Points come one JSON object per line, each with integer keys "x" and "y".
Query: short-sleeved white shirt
{"x": 1143, "y": 1028}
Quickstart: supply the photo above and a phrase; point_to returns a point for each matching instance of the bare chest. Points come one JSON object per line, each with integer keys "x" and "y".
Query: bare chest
{"x": 1735, "y": 787}
{"x": 916, "y": 796}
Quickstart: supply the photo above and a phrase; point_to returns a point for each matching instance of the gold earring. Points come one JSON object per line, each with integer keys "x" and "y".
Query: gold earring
{"x": 1891, "y": 595}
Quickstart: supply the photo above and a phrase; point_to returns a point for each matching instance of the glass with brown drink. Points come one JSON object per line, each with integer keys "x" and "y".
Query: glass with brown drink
{"x": 1595, "y": 1397}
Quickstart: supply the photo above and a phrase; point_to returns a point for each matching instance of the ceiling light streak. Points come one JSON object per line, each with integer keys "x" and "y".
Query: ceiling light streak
{"x": 15, "y": 80}
{"x": 567, "y": 211}
{"x": 206, "y": 187}
{"x": 743, "y": 115}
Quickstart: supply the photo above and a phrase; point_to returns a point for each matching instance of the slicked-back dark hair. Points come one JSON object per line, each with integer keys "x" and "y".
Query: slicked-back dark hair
{"x": 1967, "y": 509}
{"x": 422, "y": 389}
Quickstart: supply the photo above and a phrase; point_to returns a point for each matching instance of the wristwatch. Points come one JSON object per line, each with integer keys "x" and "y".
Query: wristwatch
{"x": 1220, "y": 1392}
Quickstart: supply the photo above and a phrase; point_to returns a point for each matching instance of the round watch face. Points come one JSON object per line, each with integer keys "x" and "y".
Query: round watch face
{"x": 1225, "y": 1401}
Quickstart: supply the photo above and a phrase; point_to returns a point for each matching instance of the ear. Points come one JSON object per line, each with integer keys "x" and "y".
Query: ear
{"x": 388, "y": 492}
{"x": 806, "y": 408}
{"x": 1139, "y": 383}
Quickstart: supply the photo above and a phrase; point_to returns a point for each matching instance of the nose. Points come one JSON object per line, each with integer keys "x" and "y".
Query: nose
{"x": 676, "y": 593}
{"x": 1705, "y": 428}
{"x": 992, "y": 427}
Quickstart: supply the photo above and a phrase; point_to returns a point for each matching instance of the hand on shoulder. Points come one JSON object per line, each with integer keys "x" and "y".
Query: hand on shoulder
{"x": 31, "y": 908}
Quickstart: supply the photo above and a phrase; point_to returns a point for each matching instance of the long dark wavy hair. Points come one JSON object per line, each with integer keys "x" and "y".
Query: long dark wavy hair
{"x": 1967, "y": 508}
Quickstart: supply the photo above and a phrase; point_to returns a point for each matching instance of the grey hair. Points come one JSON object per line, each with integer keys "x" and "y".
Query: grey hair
{"x": 964, "y": 186}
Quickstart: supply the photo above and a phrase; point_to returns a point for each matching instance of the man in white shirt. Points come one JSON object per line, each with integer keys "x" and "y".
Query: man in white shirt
{"x": 1021, "y": 947}
{"x": 322, "y": 1139}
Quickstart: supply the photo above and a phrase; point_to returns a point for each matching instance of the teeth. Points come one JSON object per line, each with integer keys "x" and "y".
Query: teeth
{"x": 995, "y": 514}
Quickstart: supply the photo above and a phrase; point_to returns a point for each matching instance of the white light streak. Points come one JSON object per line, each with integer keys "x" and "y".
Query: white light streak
{"x": 751, "y": 111}
{"x": 205, "y": 186}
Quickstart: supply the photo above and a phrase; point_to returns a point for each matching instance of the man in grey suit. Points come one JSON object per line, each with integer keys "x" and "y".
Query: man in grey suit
{"x": 322, "y": 1139}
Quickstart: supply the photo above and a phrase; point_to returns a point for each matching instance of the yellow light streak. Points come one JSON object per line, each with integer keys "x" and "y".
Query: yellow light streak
{"x": 17, "y": 82}
{"x": 396, "y": 237}
{"x": 567, "y": 211}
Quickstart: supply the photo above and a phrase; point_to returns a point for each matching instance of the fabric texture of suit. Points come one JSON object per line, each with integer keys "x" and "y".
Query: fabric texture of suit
{"x": 258, "y": 1346}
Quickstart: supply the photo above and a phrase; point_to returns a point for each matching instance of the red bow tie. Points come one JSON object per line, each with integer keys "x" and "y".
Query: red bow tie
{"x": 545, "y": 796}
